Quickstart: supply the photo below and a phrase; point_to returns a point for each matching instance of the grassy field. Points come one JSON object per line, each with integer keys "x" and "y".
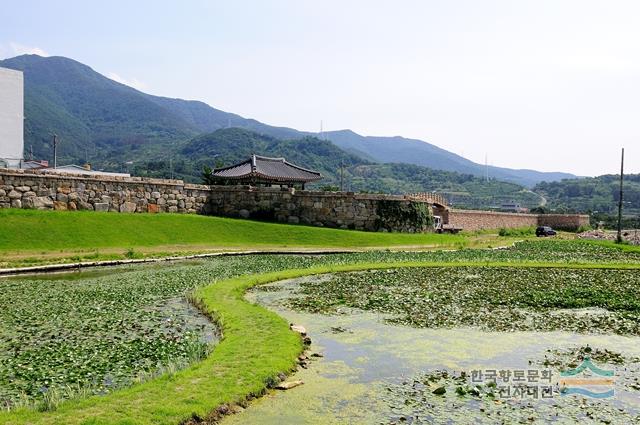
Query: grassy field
{"x": 33, "y": 237}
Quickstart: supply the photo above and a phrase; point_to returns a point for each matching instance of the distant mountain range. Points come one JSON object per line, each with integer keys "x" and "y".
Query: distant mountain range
{"x": 228, "y": 146}
{"x": 111, "y": 124}
{"x": 418, "y": 152}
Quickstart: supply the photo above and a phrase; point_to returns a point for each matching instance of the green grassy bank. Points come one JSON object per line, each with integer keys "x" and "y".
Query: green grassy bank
{"x": 28, "y": 230}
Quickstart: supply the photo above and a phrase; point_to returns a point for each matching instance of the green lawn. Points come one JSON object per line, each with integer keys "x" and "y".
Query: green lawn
{"x": 55, "y": 230}
{"x": 29, "y": 237}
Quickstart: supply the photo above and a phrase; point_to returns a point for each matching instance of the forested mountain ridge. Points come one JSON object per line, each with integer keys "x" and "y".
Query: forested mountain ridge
{"x": 591, "y": 194}
{"x": 112, "y": 125}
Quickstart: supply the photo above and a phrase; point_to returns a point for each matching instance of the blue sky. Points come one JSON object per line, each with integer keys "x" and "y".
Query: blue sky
{"x": 546, "y": 84}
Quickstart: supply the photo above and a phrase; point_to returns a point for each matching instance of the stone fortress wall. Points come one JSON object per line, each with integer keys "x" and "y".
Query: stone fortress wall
{"x": 37, "y": 190}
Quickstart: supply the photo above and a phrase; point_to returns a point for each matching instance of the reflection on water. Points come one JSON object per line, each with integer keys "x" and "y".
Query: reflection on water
{"x": 368, "y": 365}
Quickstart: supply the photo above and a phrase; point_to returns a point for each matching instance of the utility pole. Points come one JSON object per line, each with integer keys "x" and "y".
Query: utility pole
{"x": 486, "y": 167}
{"x": 55, "y": 151}
{"x": 31, "y": 153}
{"x": 341, "y": 176}
{"x": 619, "y": 238}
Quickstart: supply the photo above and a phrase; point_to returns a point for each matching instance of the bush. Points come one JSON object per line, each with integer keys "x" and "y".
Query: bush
{"x": 520, "y": 231}
{"x": 584, "y": 228}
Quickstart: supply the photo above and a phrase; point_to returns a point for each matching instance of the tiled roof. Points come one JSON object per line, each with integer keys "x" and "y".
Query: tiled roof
{"x": 265, "y": 168}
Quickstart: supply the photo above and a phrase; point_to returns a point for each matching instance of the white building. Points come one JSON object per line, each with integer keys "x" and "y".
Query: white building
{"x": 11, "y": 117}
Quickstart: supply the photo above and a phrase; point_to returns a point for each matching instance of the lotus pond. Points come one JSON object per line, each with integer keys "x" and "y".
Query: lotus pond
{"x": 76, "y": 334}
{"x": 400, "y": 345}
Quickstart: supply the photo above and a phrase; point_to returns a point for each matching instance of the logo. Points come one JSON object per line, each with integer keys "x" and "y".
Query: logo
{"x": 587, "y": 380}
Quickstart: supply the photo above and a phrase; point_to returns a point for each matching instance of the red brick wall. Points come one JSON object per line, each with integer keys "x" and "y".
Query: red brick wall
{"x": 479, "y": 220}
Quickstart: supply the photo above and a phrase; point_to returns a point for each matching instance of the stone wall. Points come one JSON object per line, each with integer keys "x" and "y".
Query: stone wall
{"x": 331, "y": 209}
{"x": 478, "y": 220}
{"x": 35, "y": 190}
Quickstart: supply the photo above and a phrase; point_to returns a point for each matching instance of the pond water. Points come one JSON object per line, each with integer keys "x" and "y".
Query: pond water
{"x": 374, "y": 372}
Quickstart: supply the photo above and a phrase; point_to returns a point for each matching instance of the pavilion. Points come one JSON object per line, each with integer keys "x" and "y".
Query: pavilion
{"x": 265, "y": 171}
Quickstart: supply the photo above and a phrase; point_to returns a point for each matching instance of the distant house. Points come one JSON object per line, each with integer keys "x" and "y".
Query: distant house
{"x": 34, "y": 165}
{"x": 86, "y": 170}
{"x": 265, "y": 171}
{"x": 513, "y": 207}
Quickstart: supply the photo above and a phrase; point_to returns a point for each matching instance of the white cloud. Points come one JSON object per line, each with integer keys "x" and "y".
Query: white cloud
{"x": 132, "y": 82}
{"x": 17, "y": 49}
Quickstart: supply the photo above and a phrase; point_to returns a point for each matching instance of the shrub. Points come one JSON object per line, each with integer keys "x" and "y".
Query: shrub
{"x": 520, "y": 231}
{"x": 584, "y": 228}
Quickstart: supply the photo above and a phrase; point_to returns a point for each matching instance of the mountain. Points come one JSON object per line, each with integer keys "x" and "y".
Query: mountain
{"x": 110, "y": 125}
{"x": 228, "y": 146}
{"x": 91, "y": 114}
{"x": 232, "y": 145}
{"x": 418, "y": 152}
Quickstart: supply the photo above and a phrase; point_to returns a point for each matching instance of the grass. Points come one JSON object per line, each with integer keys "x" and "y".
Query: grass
{"x": 257, "y": 343}
{"x": 32, "y": 237}
{"x": 58, "y": 230}
{"x": 609, "y": 244}
{"x": 521, "y": 231}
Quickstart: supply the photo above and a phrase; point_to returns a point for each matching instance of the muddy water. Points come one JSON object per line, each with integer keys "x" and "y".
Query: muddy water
{"x": 372, "y": 372}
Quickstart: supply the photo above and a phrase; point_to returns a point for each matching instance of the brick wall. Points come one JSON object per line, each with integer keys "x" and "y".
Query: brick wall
{"x": 563, "y": 221}
{"x": 478, "y": 220}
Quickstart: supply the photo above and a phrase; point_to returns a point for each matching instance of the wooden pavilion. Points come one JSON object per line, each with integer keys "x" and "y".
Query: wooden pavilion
{"x": 262, "y": 170}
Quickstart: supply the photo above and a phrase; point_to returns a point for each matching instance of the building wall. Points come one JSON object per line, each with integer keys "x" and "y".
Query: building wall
{"x": 37, "y": 190}
{"x": 479, "y": 220}
{"x": 11, "y": 116}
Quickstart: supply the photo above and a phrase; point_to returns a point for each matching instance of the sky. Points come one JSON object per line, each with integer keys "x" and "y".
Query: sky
{"x": 552, "y": 85}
